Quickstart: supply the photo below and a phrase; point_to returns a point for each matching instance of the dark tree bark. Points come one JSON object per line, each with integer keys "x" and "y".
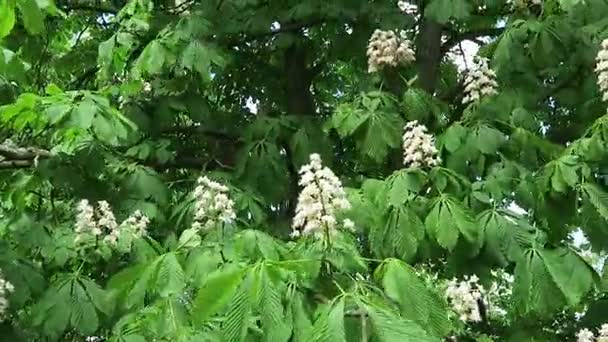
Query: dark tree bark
{"x": 298, "y": 79}
{"x": 428, "y": 54}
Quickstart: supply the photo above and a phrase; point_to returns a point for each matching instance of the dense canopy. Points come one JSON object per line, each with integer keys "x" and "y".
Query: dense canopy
{"x": 312, "y": 170}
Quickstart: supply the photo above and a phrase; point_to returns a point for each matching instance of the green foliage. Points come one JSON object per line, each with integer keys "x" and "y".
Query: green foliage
{"x": 130, "y": 102}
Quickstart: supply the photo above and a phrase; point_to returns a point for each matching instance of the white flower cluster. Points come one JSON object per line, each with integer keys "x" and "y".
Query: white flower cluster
{"x": 586, "y": 335}
{"x": 321, "y": 199}
{"x": 465, "y": 296}
{"x": 407, "y": 8}
{"x": 418, "y": 147}
{"x": 602, "y": 69}
{"x": 212, "y": 204}
{"x": 91, "y": 222}
{"x": 388, "y": 48}
{"x": 479, "y": 82}
{"x": 5, "y": 288}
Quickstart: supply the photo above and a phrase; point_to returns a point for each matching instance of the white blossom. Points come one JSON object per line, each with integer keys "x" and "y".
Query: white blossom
{"x": 464, "y": 297}
{"x": 585, "y": 335}
{"x": 320, "y": 201}
{"x": 602, "y": 69}
{"x": 85, "y": 220}
{"x": 139, "y": 222}
{"x": 418, "y": 147}
{"x": 212, "y": 204}
{"x": 603, "y": 333}
{"x": 387, "y": 48}
{"x": 5, "y": 289}
{"x": 479, "y": 82}
{"x": 147, "y": 87}
{"x": 102, "y": 223}
{"x": 407, "y": 8}
{"x": 94, "y": 339}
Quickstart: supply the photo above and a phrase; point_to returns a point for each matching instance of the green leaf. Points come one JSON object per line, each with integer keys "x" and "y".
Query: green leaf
{"x": 453, "y": 137}
{"x": 548, "y": 280}
{"x": 302, "y": 326}
{"x": 448, "y": 220}
{"x": 444, "y": 10}
{"x": 152, "y": 59}
{"x": 488, "y": 140}
{"x": 329, "y": 325}
{"x": 7, "y": 19}
{"x": 597, "y": 197}
{"x": 274, "y": 322}
{"x": 216, "y": 293}
{"x": 170, "y": 278}
{"x": 235, "y": 325}
{"x": 389, "y": 327}
{"x": 400, "y": 234}
{"x": 33, "y": 18}
{"x": 404, "y": 183}
{"x": 83, "y": 115}
{"x": 416, "y": 301}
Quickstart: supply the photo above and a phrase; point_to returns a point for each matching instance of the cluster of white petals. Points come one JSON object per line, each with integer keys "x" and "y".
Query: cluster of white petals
{"x": 602, "y": 69}
{"x": 321, "y": 200}
{"x": 5, "y": 288}
{"x": 386, "y": 48}
{"x": 586, "y": 335}
{"x": 147, "y": 87}
{"x": 407, "y": 7}
{"x": 479, "y": 82}
{"x": 523, "y": 4}
{"x": 465, "y": 296}
{"x": 91, "y": 222}
{"x": 418, "y": 147}
{"x": 212, "y": 204}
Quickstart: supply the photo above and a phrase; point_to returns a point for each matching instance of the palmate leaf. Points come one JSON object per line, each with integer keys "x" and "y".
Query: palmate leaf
{"x": 443, "y": 10}
{"x": 71, "y": 300}
{"x": 448, "y": 220}
{"x": 561, "y": 174}
{"x": 236, "y": 323}
{"x": 597, "y": 197}
{"x": 302, "y": 325}
{"x": 416, "y": 301}
{"x": 216, "y": 293}
{"x": 329, "y": 323}
{"x": 403, "y": 184}
{"x": 547, "y": 280}
{"x": 389, "y": 327}
{"x": 373, "y": 122}
{"x": 276, "y": 327}
{"x": 398, "y": 235}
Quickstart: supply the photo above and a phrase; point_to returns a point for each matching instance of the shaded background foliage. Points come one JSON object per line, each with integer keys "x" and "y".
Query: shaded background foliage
{"x": 130, "y": 101}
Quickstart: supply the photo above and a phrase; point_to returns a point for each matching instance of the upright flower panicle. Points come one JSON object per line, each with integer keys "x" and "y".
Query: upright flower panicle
{"x": 465, "y": 296}
{"x": 603, "y": 333}
{"x": 602, "y": 69}
{"x": 386, "y": 48}
{"x": 5, "y": 288}
{"x": 418, "y": 147}
{"x": 407, "y": 8}
{"x": 586, "y": 335}
{"x": 139, "y": 222}
{"x": 85, "y": 220}
{"x": 479, "y": 82}
{"x": 321, "y": 200}
{"x": 212, "y": 204}
{"x": 102, "y": 223}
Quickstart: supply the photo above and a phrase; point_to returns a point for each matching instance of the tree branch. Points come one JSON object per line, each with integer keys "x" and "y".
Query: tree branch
{"x": 93, "y": 6}
{"x": 457, "y": 37}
